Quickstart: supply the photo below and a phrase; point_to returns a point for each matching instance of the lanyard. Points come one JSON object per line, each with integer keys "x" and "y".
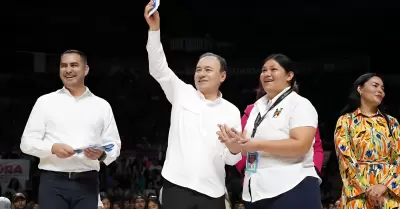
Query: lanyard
{"x": 259, "y": 119}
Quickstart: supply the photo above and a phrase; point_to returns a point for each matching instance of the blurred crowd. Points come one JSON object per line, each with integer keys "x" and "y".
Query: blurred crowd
{"x": 134, "y": 181}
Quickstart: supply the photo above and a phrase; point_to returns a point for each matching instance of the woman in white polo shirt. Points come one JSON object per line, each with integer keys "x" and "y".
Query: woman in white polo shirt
{"x": 279, "y": 133}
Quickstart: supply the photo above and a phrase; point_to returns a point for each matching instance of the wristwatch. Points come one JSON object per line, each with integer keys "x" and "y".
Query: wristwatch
{"x": 102, "y": 157}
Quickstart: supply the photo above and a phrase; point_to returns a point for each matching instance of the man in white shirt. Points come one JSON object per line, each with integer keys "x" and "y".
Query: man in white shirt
{"x": 194, "y": 169}
{"x": 60, "y": 128}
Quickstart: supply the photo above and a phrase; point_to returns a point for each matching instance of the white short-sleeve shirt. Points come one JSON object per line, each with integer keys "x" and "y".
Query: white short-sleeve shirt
{"x": 276, "y": 175}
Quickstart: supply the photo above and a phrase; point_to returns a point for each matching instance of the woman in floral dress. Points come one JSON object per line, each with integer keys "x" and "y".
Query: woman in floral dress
{"x": 367, "y": 146}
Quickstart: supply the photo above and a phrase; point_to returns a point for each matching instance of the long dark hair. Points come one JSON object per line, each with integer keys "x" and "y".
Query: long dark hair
{"x": 288, "y": 65}
{"x": 354, "y": 99}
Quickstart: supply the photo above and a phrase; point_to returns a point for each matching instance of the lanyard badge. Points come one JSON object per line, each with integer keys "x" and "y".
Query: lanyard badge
{"x": 252, "y": 157}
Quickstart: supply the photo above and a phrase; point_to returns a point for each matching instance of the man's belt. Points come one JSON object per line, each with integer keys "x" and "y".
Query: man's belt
{"x": 74, "y": 175}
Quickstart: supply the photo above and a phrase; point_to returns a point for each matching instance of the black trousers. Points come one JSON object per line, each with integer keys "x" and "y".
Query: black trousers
{"x": 177, "y": 197}
{"x": 58, "y": 190}
{"x": 306, "y": 195}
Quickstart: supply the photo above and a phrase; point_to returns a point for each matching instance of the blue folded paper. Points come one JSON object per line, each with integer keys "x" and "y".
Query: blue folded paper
{"x": 106, "y": 148}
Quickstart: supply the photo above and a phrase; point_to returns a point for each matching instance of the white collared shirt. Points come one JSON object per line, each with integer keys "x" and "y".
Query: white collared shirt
{"x": 59, "y": 117}
{"x": 277, "y": 175}
{"x": 195, "y": 157}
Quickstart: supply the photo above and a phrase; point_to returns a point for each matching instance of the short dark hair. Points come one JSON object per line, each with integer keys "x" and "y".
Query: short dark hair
{"x": 288, "y": 65}
{"x": 221, "y": 60}
{"x": 74, "y": 51}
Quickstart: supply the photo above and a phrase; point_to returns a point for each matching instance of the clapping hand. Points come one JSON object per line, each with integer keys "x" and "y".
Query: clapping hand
{"x": 231, "y": 137}
{"x": 241, "y": 138}
{"x": 225, "y": 135}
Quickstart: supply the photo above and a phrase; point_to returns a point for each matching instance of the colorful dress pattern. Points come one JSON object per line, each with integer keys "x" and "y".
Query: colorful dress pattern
{"x": 368, "y": 156}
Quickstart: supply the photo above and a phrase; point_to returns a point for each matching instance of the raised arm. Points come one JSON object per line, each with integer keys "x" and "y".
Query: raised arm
{"x": 391, "y": 178}
{"x": 354, "y": 182}
{"x": 32, "y": 142}
{"x": 158, "y": 65}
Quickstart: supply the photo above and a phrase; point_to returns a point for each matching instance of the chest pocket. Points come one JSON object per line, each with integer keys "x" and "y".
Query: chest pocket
{"x": 191, "y": 108}
{"x": 190, "y": 116}
{"x": 93, "y": 120}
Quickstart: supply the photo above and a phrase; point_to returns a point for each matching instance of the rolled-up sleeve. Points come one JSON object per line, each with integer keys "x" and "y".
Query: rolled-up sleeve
{"x": 229, "y": 158}
{"x": 109, "y": 135}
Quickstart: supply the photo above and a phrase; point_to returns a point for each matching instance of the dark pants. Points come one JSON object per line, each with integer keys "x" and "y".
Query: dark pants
{"x": 59, "y": 190}
{"x": 177, "y": 197}
{"x": 306, "y": 195}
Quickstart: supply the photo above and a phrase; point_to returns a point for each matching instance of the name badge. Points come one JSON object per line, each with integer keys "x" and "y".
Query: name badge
{"x": 252, "y": 162}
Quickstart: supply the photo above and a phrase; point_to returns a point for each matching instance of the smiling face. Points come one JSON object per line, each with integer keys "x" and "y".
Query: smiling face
{"x": 274, "y": 78}
{"x": 372, "y": 92}
{"x": 73, "y": 70}
{"x": 208, "y": 76}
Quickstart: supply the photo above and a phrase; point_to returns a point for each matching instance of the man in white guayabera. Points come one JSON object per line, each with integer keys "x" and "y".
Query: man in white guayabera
{"x": 194, "y": 169}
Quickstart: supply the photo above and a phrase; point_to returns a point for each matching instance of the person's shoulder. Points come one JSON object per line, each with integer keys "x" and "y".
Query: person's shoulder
{"x": 393, "y": 120}
{"x": 101, "y": 101}
{"x": 48, "y": 97}
{"x": 300, "y": 101}
{"x": 344, "y": 119}
{"x": 230, "y": 107}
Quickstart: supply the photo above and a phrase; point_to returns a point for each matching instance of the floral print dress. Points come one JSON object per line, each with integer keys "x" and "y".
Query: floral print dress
{"x": 367, "y": 156}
